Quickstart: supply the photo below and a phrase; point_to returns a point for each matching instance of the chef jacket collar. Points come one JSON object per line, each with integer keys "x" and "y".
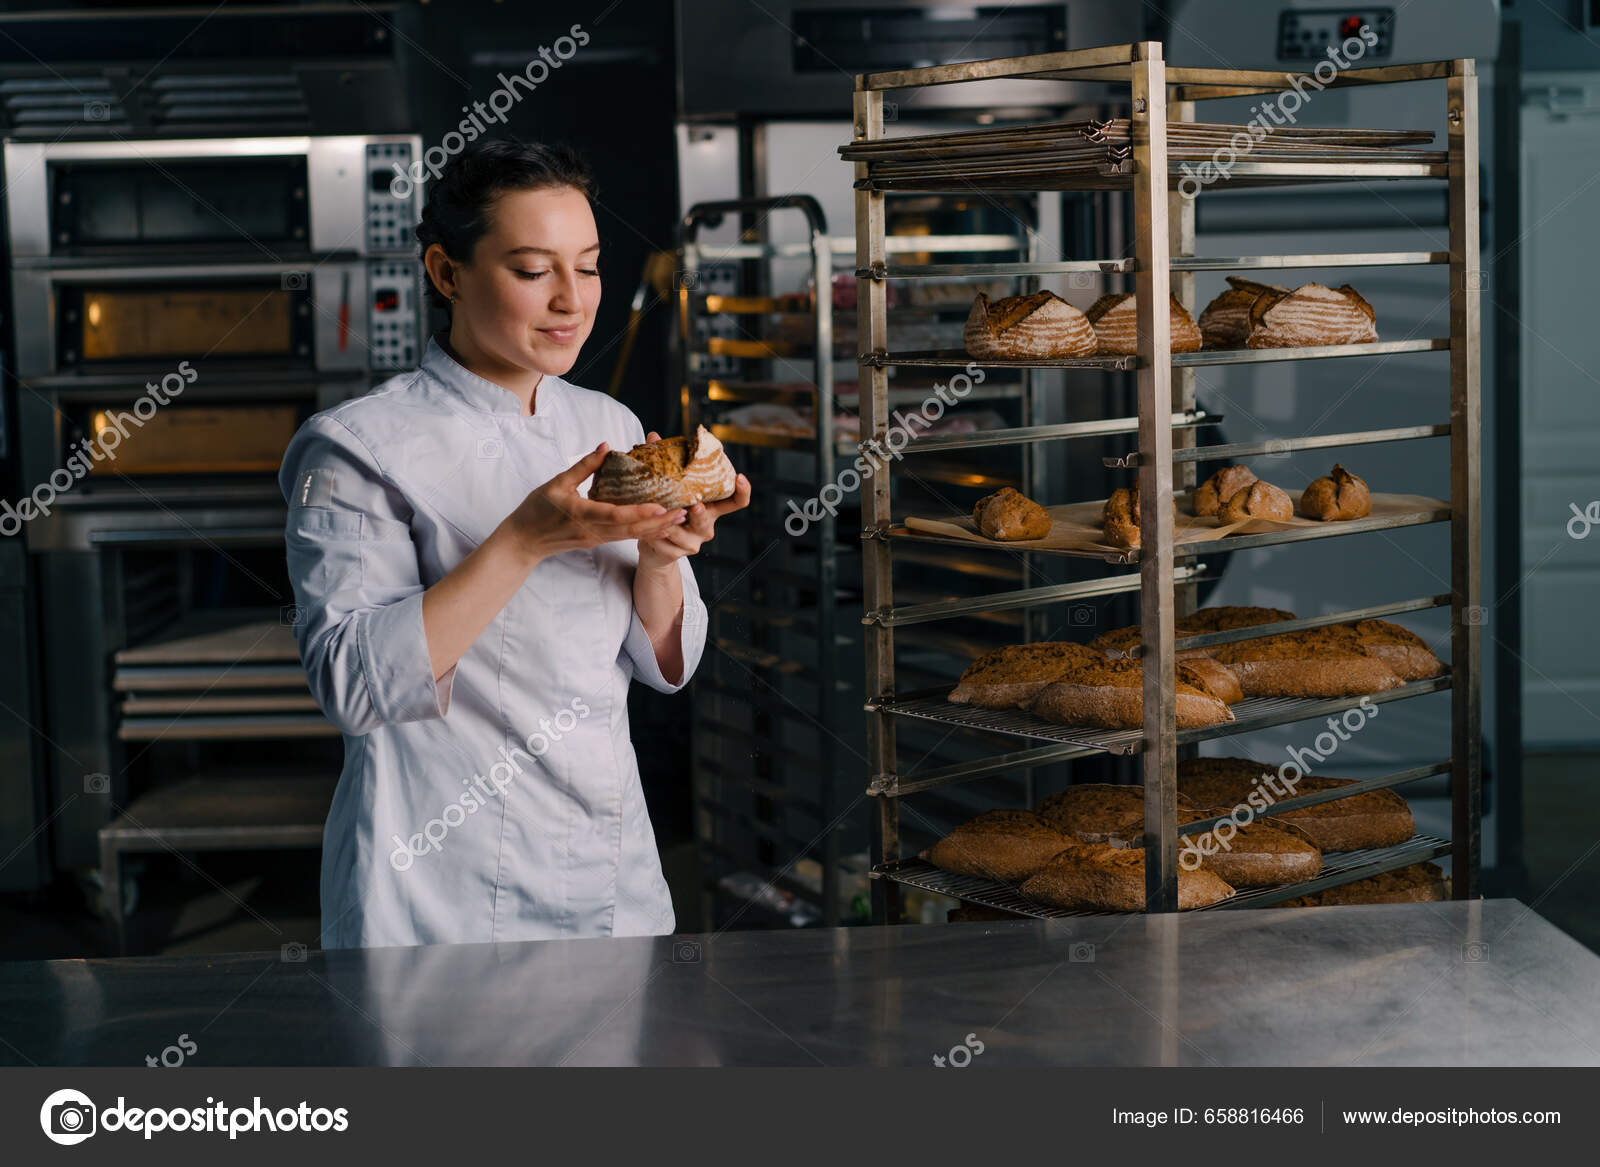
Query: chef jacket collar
{"x": 485, "y": 396}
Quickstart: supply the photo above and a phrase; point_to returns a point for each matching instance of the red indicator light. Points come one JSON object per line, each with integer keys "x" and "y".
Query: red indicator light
{"x": 1350, "y": 26}
{"x": 386, "y": 300}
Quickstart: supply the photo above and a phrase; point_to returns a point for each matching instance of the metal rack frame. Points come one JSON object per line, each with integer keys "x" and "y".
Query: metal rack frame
{"x": 1164, "y": 260}
{"x": 791, "y": 778}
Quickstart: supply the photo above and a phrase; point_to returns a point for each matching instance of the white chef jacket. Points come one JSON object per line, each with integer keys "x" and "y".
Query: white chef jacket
{"x": 502, "y": 802}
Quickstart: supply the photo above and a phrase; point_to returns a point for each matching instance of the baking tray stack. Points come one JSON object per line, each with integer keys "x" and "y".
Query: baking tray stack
{"x": 1093, "y": 154}
{"x": 222, "y": 674}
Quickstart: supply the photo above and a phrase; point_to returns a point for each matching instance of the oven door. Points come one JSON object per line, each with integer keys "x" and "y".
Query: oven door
{"x": 236, "y": 317}
{"x": 236, "y": 198}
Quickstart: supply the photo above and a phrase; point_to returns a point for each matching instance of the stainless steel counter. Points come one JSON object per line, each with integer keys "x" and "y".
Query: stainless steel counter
{"x": 1483, "y": 983}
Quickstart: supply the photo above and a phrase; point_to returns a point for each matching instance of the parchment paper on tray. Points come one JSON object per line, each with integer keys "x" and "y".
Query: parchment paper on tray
{"x": 1078, "y": 526}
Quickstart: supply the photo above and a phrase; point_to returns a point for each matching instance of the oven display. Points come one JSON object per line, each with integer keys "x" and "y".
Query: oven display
{"x": 1308, "y": 34}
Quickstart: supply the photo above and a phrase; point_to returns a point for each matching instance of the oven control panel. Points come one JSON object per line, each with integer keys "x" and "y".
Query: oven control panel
{"x": 1306, "y": 34}
{"x": 393, "y": 314}
{"x": 392, "y": 194}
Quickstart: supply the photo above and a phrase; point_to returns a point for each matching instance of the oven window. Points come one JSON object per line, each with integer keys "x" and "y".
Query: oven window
{"x": 140, "y": 324}
{"x": 253, "y": 202}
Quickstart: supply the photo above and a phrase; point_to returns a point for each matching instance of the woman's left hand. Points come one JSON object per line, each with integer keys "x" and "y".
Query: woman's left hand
{"x": 674, "y": 543}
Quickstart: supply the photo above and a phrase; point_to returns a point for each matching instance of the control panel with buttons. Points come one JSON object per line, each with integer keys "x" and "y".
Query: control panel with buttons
{"x": 1307, "y": 34}
{"x": 393, "y": 302}
{"x": 392, "y": 197}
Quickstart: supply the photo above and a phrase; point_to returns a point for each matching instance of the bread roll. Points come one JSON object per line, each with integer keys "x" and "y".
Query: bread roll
{"x": 1008, "y": 514}
{"x": 1017, "y": 328}
{"x": 1320, "y": 662}
{"x": 1005, "y": 845}
{"x": 1312, "y": 314}
{"x": 1100, "y": 877}
{"x": 1115, "y": 319}
{"x": 1220, "y": 487}
{"x": 1121, "y": 516}
{"x": 1097, "y": 812}
{"x": 1341, "y": 495}
{"x": 1259, "y": 500}
{"x": 673, "y": 472}
{"x": 1010, "y": 677}
{"x": 1110, "y": 695}
{"x": 1225, "y": 323}
{"x": 1373, "y": 818}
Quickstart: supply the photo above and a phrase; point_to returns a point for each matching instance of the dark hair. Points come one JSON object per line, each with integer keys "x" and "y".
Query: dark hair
{"x": 456, "y": 214}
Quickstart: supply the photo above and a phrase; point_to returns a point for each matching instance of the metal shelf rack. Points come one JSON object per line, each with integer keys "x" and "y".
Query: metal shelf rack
{"x": 772, "y": 741}
{"x": 1166, "y": 455}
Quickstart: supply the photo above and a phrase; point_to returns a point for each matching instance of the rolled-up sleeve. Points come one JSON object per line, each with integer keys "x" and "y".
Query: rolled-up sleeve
{"x": 693, "y": 630}
{"x": 692, "y": 639}
{"x": 358, "y": 589}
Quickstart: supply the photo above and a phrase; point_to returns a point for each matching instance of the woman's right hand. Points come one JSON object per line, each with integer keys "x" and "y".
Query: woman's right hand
{"x": 554, "y": 517}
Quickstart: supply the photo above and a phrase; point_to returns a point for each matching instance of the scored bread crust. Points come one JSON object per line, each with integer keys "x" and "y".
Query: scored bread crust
{"x": 1116, "y": 329}
{"x": 1015, "y": 328}
{"x": 1010, "y": 677}
{"x": 673, "y": 472}
{"x": 1009, "y": 514}
{"x": 1100, "y": 877}
{"x": 1098, "y": 812}
{"x": 1004, "y": 845}
{"x": 1313, "y": 314}
{"x": 1220, "y": 487}
{"x": 1337, "y": 497}
{"x": 1225, "y": 323}
{"x": 1373, "y": 818}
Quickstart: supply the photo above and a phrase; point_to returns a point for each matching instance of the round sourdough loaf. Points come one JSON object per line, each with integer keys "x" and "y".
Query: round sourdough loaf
{"x": 1040, "y": 326}
{"x": 673, "y": 472}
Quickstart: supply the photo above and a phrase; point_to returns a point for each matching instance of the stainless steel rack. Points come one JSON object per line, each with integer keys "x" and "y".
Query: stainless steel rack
{"x": 772, "y": 742}
{"x": 1167, "y": 452}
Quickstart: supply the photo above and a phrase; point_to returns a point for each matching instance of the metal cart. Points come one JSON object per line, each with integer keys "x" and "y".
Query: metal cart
{"x": 1166, "y": 451}
{"x": 778, "y": 828}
